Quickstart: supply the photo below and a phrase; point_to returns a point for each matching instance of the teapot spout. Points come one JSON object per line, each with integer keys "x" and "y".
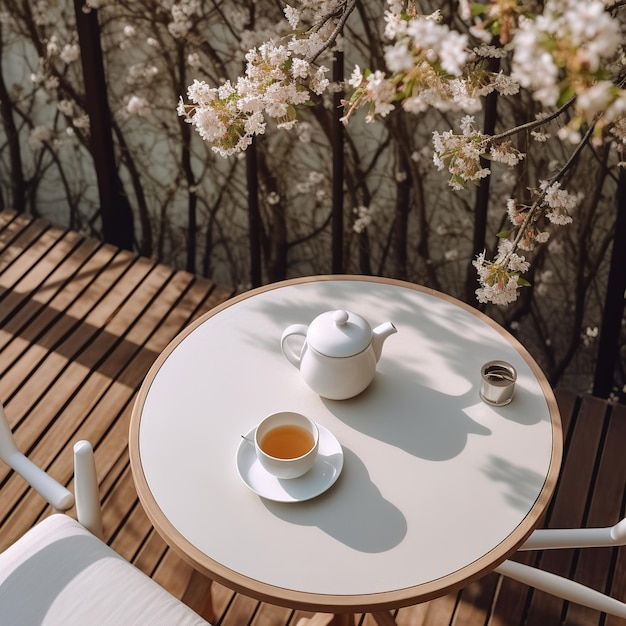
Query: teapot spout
{"x": 380, "y": 333}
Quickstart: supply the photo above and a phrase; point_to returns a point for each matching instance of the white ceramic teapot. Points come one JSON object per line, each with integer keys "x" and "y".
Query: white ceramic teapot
{"x": 340, "y": 352}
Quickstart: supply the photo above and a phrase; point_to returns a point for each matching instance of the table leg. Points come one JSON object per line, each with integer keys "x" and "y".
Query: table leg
{"x": 342, "y": 619}
{"x": 384, "y": 618}
{"x": 199, "y": 596}
{"x": 208, "y": 611}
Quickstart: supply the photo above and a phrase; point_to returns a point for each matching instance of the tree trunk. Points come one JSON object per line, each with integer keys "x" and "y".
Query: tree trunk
{"x": 274, "y": 237}
{"x": 115, "y": 209}
{"x": 609, "y": 343}
{"x": 401, "y": 218}
{"x": 481, "y": 207}
{"x": 17, "y": 201}
{"x": 254, "y": 215}
{"x": 338, "y": 172}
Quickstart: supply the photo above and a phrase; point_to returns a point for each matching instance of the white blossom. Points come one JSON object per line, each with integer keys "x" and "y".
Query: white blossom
{"x": 273, "y": 198}
{"x": 559, "y": 201}
{"x": 292, "y": 15}
{"x": 52, "y": 46}
{"x": 363, "y": 219}
{"x": 70, "y": 53}
{"x": 39, "y": 136}
{"x": 137, "y": 105}
{"x": 66, "y": 107}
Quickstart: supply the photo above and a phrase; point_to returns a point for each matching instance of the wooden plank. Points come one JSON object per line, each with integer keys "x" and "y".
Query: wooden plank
{"x": 80, "y": 274}
{"x": 476, "y": 602}
{"x": 47, "y": 400}
{"x": 570, "y": 503}
{"x": 21, "y": 518}
{"x": 76, "y": 326}
{"x": 7, "y": 217}
{"x": 173, "y": 573}
{"x": 618, "y": 587}
{"x": 68, "y": 340}
{"x": 112, "y": 398}
{"x": 607, "y": 493}
{"x": 414, "y": 615}
{"x": 119, "y": 503}
{"x": 240, "y": 611}
{"x": 511, "y": 599}
{"x": 222, "y": 598}
{"x": 26, "y": 242}
{"x": 617, "y": 566}
{"x": 22, "y": 294}
{"x": 151, "y": 553}
{"x": 439, "y": 611}
{"x": 21, "y": 309}
{"x": 270, "y": 615}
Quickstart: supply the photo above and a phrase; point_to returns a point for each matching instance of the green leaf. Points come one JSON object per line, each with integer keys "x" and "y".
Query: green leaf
{"x": 503, "y": 234}
{"x": 522, "y": 282}
{"x": 477, "y": 9}
{"x": 566, "y": 95}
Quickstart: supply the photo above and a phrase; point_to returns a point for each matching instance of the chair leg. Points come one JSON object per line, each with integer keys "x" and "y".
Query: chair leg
{"x": 562, "y": 588}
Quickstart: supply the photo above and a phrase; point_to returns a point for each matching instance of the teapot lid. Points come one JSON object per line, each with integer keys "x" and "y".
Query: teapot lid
{"x": 339, "y": 334}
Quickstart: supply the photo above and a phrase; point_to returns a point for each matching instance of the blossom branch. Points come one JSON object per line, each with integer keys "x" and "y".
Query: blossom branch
{"x": 349, "y": 7}
{"x": 567, "y": 54}
{"x": 500, "y": 279}
{"x": 555, "y": 179}
{"x": 536, "y": 123}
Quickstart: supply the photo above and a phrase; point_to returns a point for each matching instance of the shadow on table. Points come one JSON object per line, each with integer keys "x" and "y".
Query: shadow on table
{"x": 359, "y": 511}
{"x": 423, "y": 422}
{"x": 520, "y": 481}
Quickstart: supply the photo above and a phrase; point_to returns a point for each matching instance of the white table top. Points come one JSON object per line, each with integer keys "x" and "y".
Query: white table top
{"x": 437, "y": 487}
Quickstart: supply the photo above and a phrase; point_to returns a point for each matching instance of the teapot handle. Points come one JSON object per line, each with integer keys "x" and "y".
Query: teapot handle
{"x": 288, "y": 351}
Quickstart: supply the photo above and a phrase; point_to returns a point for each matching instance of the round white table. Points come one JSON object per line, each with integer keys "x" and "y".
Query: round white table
{"x": 436, "y": 488}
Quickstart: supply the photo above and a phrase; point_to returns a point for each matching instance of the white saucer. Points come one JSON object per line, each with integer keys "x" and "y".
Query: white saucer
{"x": 317, "y": 480}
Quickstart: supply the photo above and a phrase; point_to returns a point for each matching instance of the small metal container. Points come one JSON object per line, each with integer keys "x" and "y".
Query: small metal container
{"x": 498, "y": 382}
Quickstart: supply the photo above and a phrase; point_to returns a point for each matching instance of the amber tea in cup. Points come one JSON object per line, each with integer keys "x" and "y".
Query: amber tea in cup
{"x": 286, "y": 444}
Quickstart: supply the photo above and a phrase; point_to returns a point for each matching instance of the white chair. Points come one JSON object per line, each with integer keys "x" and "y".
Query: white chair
{"x": 552, "y": 539}
{"x": 61, "y": 573}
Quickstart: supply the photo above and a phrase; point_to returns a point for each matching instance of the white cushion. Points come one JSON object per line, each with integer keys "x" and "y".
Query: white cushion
{"x": 59, "y": 574}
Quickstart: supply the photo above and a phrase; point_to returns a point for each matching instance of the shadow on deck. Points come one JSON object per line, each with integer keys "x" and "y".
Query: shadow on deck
{"x": 81, "y": 323}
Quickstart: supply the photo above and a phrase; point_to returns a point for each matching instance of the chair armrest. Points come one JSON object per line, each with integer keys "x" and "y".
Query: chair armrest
{"x": 88, "y": 510}
{"x": 56, "y": 494}
{"x": 555, "y": 538}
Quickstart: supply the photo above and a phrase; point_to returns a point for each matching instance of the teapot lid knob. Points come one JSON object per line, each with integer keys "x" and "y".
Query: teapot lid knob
{"x": 339, "y": 333}
{"x": 340, "y": 317}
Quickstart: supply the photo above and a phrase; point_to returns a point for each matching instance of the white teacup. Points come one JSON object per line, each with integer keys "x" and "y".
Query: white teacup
{"x": 286, "y": 444}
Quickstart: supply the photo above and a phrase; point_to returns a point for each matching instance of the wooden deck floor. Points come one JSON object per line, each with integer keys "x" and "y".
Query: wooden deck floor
{"x": 80, "y": 325}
